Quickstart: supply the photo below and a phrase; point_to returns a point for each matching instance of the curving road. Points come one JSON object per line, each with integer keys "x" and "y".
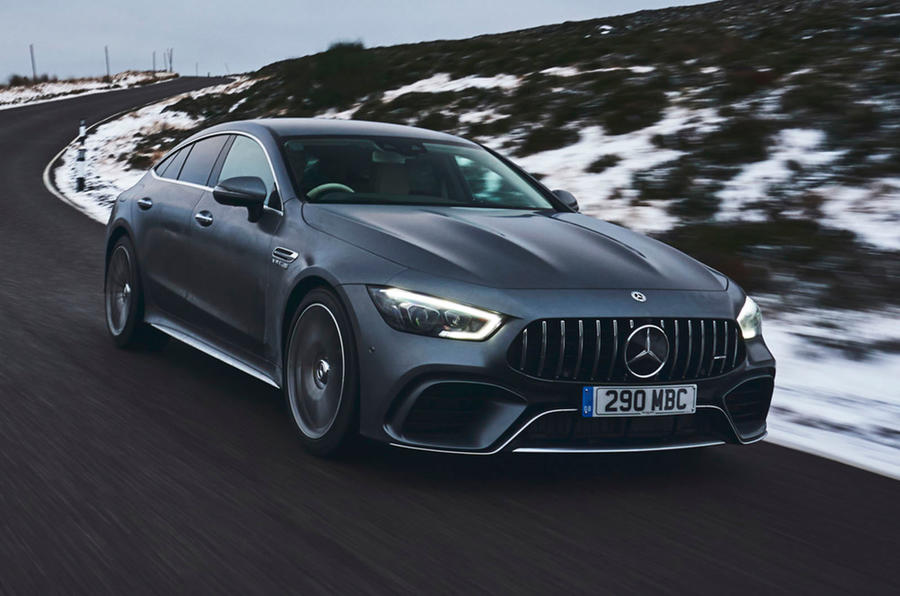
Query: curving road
{"x": 171, "y": 472}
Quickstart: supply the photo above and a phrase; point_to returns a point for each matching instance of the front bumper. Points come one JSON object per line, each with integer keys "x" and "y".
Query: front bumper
{"x": 464, "y": 397}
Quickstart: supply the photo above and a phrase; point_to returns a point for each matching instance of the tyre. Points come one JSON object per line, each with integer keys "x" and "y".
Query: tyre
{"x": 124, "y": 301}
{"x": 321, "y": 380}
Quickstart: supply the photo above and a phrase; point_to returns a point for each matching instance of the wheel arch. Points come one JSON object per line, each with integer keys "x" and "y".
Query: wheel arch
{"x": 117, "y": 231}
{"x": 302, "y": 287}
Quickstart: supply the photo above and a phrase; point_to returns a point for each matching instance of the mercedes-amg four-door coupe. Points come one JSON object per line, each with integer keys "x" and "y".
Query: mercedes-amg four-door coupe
{"x": 421, "y": 290}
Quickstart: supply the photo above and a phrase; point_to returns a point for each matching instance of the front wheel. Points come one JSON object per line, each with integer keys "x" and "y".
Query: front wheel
{"x": 321, "y": 386}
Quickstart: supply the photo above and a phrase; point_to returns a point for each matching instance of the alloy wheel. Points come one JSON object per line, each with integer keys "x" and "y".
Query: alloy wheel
{"x": 316, "y": 370}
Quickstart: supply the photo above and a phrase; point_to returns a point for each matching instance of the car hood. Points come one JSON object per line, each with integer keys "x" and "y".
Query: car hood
{"x": 506, "y": 248}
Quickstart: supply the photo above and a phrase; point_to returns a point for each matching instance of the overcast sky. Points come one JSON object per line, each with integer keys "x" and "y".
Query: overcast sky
{"x": 69, "y": 36}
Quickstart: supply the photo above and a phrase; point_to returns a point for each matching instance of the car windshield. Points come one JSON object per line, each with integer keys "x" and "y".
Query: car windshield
{"x": 393, "y": 171}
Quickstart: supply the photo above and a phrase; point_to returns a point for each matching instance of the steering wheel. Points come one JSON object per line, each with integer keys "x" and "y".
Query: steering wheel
{"x": 328, "y": 187}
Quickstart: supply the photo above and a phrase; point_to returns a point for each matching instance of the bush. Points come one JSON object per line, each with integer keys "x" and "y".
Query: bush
{"x": 812, "y": 263}
{"x": 438, "y": 121}
{"x": 547, "y": 138}
{"x": 602, "y": 163}
{"x": 17, "y": 80}
{"x": 817, "y": 97}
{"x": 743, "y": 81}
{"x": 632, "y": 107}
{"x": 744, "y": 139}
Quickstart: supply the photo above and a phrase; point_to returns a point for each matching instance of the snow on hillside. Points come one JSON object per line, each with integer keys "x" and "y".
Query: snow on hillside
{"x": 11, "y": 97}
{"x": 827, "y": 401}
{"x": 443, "y": 82}
{"x": 609, "y": 194}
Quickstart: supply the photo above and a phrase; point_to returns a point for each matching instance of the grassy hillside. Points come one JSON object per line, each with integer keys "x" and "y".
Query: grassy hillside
{"x": 761, "y": 137}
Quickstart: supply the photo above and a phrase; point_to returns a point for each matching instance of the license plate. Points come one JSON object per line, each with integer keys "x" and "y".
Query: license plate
{"x": 638, "y": 401}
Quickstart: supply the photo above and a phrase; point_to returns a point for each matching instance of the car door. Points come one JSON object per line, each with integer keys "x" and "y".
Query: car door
{"x": 162, "y": 226}
{"x": 233, "y": 254}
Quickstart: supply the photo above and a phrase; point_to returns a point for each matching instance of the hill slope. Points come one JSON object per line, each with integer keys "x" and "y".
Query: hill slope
{"x": 757, "y": 123}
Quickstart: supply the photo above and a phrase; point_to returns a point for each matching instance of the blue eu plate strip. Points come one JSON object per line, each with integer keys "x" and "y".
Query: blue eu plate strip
{"x": 587, "y": 402}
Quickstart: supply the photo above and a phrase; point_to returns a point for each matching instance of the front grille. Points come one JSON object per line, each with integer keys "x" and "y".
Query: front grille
{"x": 592, "y": 349}
{"x": 568, "y": 429}
{"x": 748, "y": 405}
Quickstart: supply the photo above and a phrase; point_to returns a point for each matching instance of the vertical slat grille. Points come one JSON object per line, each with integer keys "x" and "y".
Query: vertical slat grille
{"x": 592, "y": 350}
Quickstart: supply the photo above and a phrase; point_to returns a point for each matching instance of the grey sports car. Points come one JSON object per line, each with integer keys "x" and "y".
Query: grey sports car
{"x": 421, "y": 290}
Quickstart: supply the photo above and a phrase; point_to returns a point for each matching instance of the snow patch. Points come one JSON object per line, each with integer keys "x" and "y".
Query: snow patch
{"x": 442, "y": 82}
{"x": 342, "y": 115}
{"x": 237, "y": 104}
{"x": 610, "y": 194}
{"x": 561, "y": 71}
{"x": 872, "y": 211}
{"x": 481, "y": 116}
{"x": 851, "y": 416}
{"x": 751, "y": 185}
{"x": 571, "y": 71}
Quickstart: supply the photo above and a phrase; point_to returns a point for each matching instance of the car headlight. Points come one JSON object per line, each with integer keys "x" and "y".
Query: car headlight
{"x": 426, "y": 315}
{"x": 750, "y": 319}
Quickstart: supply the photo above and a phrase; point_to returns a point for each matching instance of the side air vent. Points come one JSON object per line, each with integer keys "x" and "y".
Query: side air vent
{"x": 594, "y": 349}
{"x": 284, "y": 254}
{"x": 748, "y": 405}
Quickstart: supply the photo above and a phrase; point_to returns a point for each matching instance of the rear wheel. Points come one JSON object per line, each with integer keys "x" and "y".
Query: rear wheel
{"x": 124, "y": 301}
{"x": 320, "y": 374}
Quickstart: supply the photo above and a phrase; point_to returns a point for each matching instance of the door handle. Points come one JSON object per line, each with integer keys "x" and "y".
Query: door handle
{"x": 144, "y": 203}
{"x": 204, "y": 218}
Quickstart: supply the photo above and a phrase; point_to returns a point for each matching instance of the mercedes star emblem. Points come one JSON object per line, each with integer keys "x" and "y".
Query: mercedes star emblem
{"x": 646, "y": 351}
{"x": 639, "y": 297}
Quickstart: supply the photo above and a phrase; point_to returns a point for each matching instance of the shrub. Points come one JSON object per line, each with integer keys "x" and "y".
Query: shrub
{"x": 17, "y": 80}
{"x": 744, "y": 139}
{"x": 547, "y": 138}
{"x": 602, "y": 163}
{"x": 632, "y": 107}
{"x": 745, "y": 80}
{"x": 438, "y": 121}
{"x": 813, "y": 263}
{"x": 817, "y": 97}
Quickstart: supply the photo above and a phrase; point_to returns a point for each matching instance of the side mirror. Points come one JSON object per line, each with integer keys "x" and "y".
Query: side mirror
{"x": 242, "y": 191}
{"x": 567, "y": 198}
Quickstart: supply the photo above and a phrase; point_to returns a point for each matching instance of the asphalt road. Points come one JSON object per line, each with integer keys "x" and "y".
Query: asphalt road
{"x": 128, "y": 472}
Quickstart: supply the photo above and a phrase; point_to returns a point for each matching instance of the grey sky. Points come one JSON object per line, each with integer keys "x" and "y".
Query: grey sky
{"x": 246, "y": 34}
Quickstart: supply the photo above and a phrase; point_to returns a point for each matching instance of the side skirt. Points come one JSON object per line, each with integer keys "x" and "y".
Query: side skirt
{"x": 217, "y": 354}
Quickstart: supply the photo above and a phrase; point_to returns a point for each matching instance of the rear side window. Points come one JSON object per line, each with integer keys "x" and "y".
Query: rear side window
{"x": 200, "y": 162}
{"x": 171, "y": 166}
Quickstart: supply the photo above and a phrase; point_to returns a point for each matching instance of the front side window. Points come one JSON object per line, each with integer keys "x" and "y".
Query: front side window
{"x": 247, "y": 158}
{"x": 201, "y": 159}
{"x": 406, "y": 171}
